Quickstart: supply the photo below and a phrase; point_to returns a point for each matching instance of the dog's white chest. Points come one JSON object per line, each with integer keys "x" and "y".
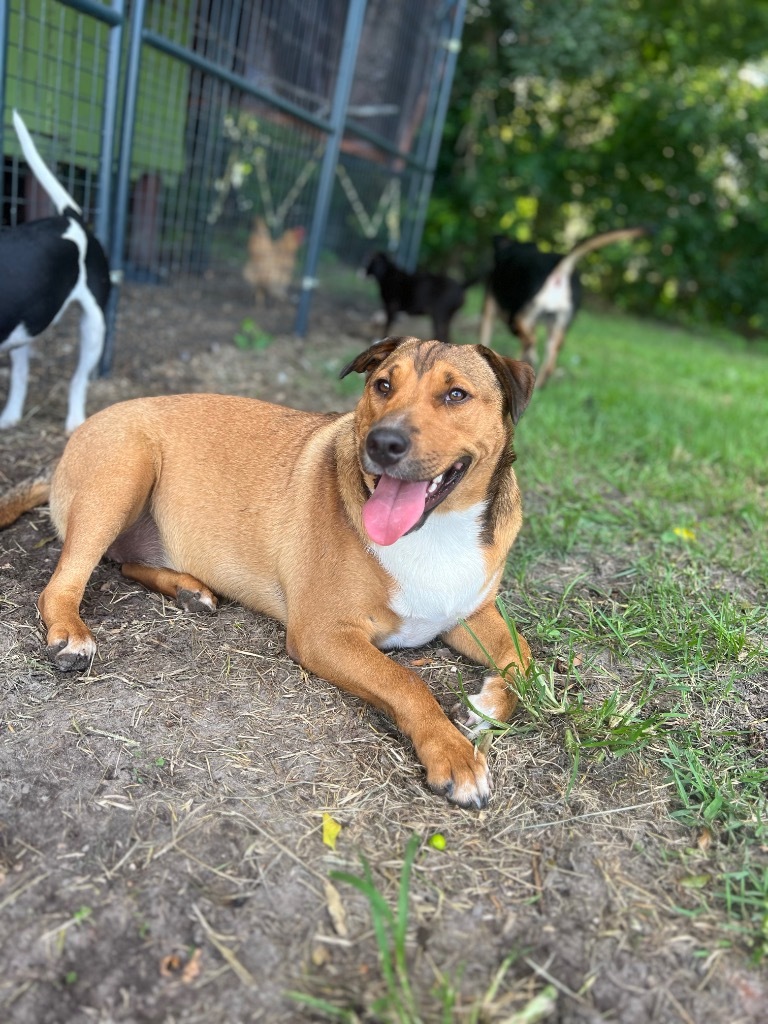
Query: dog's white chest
{"x": 440, "y": 576}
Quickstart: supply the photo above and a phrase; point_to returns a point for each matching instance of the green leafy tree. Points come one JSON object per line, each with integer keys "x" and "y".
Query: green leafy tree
{"x": 568, "y": 118}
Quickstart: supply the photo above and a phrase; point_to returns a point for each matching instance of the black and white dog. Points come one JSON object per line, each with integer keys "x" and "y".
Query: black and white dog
{"x": 44, "y": 266}
{"x": 528, "y": 287}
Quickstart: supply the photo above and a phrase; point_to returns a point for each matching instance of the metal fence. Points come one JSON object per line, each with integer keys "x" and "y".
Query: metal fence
{"x": 178, "y": 124}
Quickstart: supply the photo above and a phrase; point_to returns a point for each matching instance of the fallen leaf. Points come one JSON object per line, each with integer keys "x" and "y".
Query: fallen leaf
{"x": 420, "y": 662}
{"x": 696, "y": 881}
{"x": 336, "y": 909}
{"x": 193, "y": 967}
{"x": 684, "y": 533}
{"x": 485, "y": 742}
{"x": 321, "y": 955}
{"x": 170, "y": 965}
{"x": 331, "y": 829}
{"x": 704, "y": 839}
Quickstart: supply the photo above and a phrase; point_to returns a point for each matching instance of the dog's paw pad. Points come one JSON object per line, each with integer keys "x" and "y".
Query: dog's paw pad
{"x": 196, "y": 601}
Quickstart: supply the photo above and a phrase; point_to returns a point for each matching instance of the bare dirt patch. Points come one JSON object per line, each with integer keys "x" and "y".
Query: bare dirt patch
{"x": 161, "y": 853}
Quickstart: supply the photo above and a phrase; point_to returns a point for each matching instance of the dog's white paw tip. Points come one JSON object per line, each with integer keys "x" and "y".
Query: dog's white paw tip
{"x": 70, "y": 656}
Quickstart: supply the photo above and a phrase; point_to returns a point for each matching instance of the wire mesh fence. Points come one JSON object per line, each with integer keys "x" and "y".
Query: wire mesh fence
{"x": 292, "y": 135}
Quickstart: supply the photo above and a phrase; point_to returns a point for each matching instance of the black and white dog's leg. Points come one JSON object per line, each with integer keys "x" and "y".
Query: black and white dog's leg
{"x": 554, "y": 344}
{"x": 92, "y": 332}
{"x": 14, "y": 406}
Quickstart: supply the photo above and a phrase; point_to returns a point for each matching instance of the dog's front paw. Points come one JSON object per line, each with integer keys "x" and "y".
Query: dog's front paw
{"x": 494, "y": 703}
{"x": 71, "y": 655}
{"x": 458, "y": 771}
{"x": 483, "y": 716}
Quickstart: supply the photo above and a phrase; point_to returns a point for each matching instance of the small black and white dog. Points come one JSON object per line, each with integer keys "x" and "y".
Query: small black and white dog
{"x": 434, "y": 295}
{"x": 528, "y": 287}
{"x": 44, "y": 266}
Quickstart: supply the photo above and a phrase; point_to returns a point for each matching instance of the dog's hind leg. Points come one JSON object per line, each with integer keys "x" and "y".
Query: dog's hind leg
{"x": 554, "y": 344}
{"x": 190, "y": 593}
{"x": 92, "y": 331}
{"x": 14, "y": 406}
{"x": 90, "y": 516}
{"x": 525, "y": 330}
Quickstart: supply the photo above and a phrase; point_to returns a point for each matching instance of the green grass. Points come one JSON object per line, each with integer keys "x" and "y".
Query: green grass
{"x": 398, "y": 1003}
{"x": 648, "y": 458}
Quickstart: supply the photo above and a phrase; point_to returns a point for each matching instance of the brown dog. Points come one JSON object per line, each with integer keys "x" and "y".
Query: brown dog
{"x": 379, "y": 528}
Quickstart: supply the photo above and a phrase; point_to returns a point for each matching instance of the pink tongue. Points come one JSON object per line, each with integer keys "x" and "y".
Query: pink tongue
{"x": 393, "y": 508}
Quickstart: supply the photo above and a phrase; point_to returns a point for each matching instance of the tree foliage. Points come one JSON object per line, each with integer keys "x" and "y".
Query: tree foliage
{"x": 568, "y": 118}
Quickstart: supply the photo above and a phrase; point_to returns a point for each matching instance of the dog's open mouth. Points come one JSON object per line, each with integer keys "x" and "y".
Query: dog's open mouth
{"x": 398, "y": 506}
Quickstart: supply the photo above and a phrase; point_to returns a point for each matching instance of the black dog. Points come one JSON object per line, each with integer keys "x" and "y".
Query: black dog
{"x": 421, "y": 293}
{"x": 530, "y": 286}
{"x": 44, "y": 266}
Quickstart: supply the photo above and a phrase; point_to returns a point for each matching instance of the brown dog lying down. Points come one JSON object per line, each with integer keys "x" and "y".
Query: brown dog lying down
{"x": 379, "y": 528}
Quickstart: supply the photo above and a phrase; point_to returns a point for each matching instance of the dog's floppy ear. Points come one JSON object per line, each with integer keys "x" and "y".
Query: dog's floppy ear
{"x": 372, "y": 357}
{"x": 516, "y": 378}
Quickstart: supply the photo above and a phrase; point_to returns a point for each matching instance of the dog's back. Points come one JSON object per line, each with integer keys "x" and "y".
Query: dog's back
{"x": 520, "y": 271}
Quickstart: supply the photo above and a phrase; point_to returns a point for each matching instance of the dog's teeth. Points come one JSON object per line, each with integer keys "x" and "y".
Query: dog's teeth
{"x": 435, "y": 484}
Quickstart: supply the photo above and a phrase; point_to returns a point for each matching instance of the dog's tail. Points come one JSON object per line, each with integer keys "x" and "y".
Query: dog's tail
{"x": 24, "y": 497}
{"x": 568, "y": 262}
{"x": 61, "y": 199}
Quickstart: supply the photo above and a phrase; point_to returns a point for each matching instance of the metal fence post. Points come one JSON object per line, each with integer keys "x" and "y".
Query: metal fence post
{"x": 123, "y": 185}
{"x": 352, "y": 32}
{"x": 103, "y": 219}
{"x": 453, "y": 46}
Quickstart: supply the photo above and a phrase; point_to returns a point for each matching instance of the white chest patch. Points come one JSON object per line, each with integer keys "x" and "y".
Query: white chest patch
{"x": 439, "y": 573}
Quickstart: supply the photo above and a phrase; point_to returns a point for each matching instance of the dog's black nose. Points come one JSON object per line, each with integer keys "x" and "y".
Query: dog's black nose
{"x": 386, "y": 446}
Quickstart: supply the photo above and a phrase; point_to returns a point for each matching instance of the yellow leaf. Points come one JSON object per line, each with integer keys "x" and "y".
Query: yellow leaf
{"x": 331, "y": 829}
{"x": 683, "y": 533}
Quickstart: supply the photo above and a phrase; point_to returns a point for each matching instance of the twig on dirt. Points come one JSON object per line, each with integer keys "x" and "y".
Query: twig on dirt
{"x": 575, "y": 817}
{"x": 22, "y": 888}
{"x": 242, "y": 972}
{"x": 88, "y": 730}
{"x": 544, "y": 973}
{"x": 280, "y": 846}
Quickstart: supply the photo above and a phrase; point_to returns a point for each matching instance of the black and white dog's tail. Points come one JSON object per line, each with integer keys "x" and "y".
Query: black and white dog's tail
{"x": 569, "y": 261}
{"x": 60, "y": 198}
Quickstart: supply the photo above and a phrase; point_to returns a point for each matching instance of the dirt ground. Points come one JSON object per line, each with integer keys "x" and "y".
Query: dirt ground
{"x": 161, "y": 847}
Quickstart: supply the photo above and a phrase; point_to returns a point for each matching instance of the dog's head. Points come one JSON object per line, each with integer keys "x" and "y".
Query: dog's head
{"x": 432, "y": 426}
{"x": 378, "y": 265}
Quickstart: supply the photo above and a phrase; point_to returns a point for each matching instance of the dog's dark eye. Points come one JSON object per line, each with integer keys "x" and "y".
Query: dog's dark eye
{"x": 383, "y": 386}
{"x": 456, "y": 395}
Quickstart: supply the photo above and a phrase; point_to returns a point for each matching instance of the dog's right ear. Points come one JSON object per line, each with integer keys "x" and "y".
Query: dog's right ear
{"x": 516, "y": 379}
{"x": 372, "y": 357}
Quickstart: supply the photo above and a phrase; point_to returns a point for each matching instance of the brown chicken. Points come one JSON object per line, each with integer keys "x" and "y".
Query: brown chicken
{"x": 271, "y": 261}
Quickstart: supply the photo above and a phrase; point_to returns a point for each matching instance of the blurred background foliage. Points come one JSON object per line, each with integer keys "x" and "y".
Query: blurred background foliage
{"x": 568, "y": 118}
